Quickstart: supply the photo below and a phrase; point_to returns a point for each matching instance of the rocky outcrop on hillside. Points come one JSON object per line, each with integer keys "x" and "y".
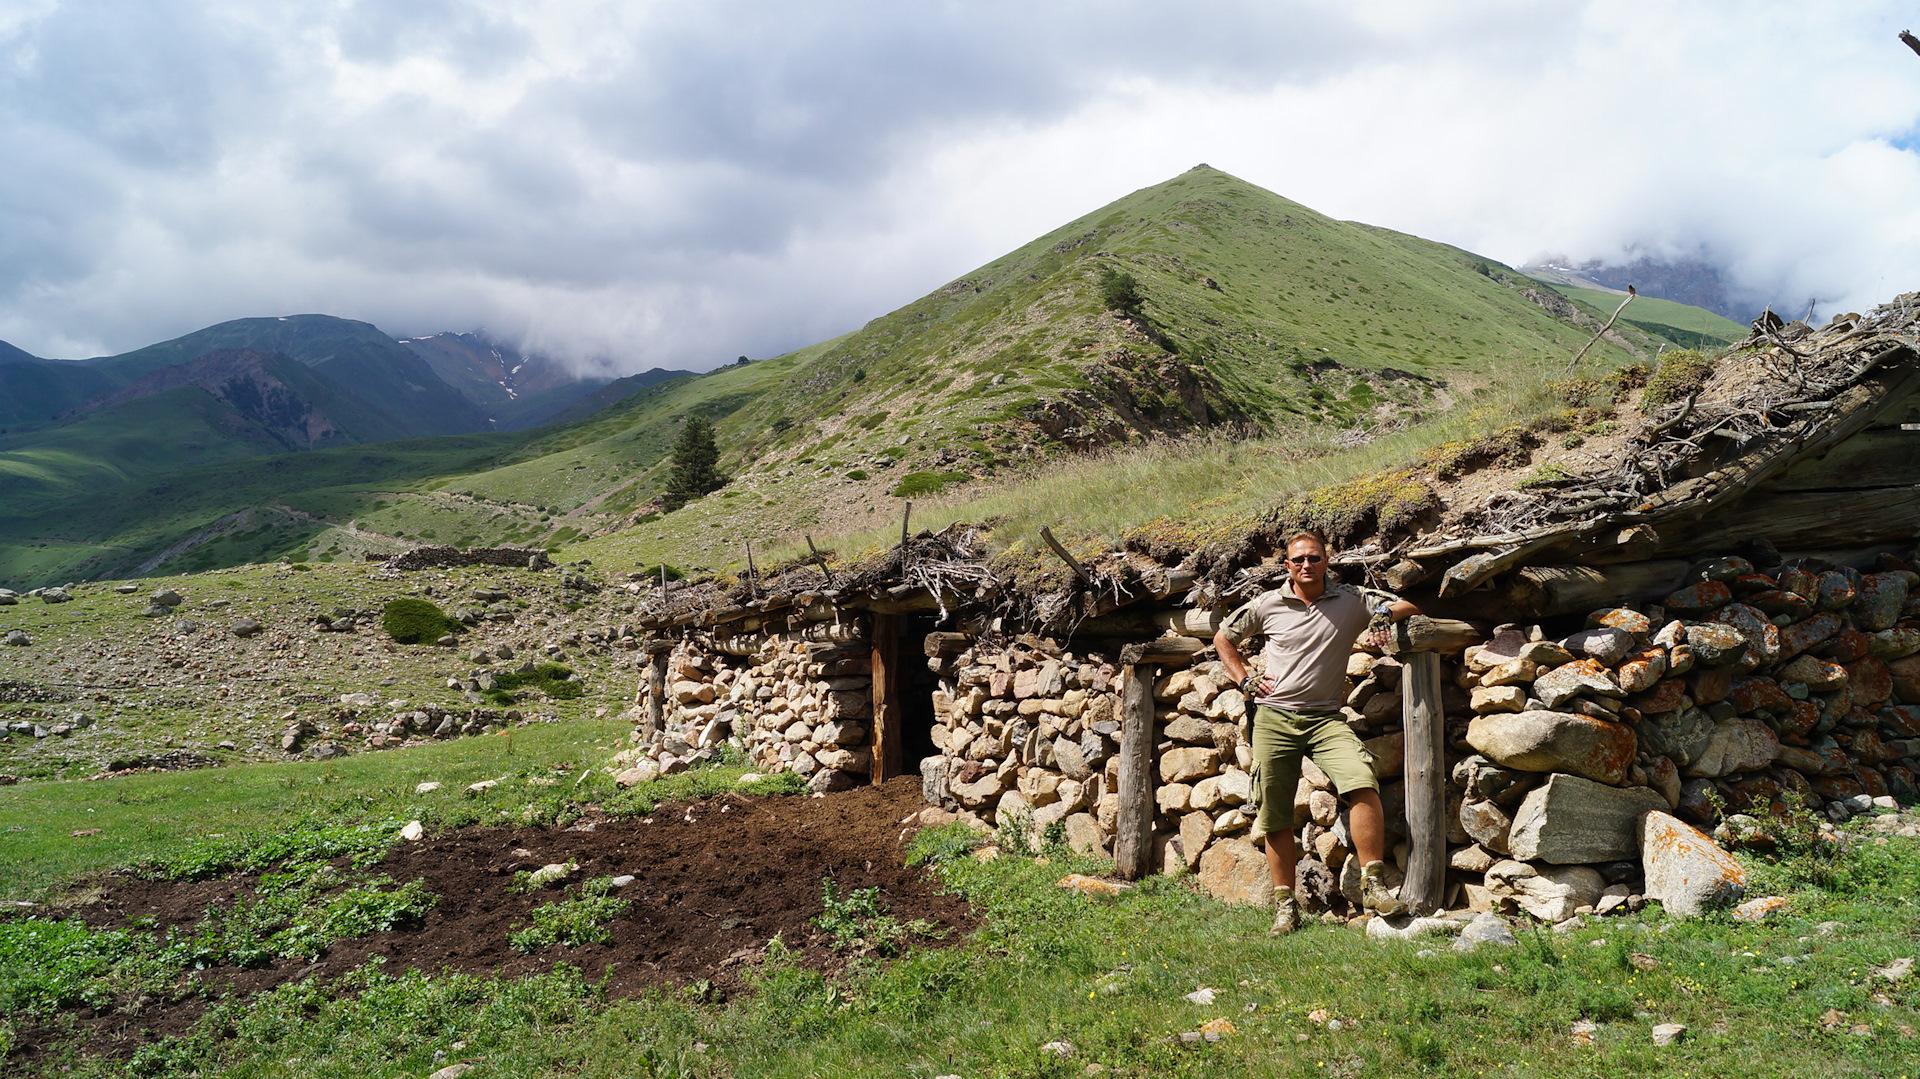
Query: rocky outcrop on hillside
{"x": 247, "y": 381}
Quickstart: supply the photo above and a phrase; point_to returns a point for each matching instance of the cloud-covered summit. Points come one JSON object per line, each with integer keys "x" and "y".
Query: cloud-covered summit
{"x": 638, "y": 185}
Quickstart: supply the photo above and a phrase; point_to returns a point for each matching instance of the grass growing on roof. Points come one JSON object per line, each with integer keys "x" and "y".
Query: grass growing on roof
{"x": 1213, "y": 482}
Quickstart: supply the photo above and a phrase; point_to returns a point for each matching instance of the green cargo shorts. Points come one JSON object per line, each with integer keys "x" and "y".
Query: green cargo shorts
{"x": 1280, "y": 738}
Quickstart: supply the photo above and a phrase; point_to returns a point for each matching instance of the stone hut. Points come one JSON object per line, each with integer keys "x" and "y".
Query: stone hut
{"x": 1721, "y": 618}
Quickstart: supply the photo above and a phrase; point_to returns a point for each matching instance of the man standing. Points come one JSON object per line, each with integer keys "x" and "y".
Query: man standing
{"x": 1310, "y": 627}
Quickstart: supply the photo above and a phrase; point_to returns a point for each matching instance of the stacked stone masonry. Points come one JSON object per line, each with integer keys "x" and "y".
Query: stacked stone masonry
{"x": 792, "y": 705}
{"x": 1568, "y": 745}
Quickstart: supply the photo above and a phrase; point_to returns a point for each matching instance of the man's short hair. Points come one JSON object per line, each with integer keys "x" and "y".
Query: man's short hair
{"x": 1313, "y": 534}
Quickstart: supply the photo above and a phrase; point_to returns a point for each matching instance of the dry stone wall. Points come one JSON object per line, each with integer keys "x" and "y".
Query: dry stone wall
{"x": 1028, "y": 735}
{"x": 1743, "y": 692}
{"x": 791, "y": 705}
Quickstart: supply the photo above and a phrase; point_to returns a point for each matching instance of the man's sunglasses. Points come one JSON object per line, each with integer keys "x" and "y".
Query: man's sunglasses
{"x": 1305, "y": 559}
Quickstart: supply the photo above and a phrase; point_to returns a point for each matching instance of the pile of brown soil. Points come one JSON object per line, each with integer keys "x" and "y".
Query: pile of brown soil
{"x": 714, "y": 881}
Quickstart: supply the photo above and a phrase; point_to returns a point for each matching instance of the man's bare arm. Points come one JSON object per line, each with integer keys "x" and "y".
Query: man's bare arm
{"x": 1230, "y": 657}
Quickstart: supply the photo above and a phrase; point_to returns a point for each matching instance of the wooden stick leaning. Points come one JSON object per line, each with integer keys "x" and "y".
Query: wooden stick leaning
{"x": 1072, "y": 562}
{"x": 1603, "y": 330}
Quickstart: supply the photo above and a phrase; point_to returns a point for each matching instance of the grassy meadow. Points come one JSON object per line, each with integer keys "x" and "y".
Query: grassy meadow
{"x": 1054, "y": 983}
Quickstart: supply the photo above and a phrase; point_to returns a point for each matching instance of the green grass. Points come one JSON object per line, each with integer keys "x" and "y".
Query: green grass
{"x": 183, "y": 818}
{"x": 1109, "y": 977}
{"x": 1205, "y": 482}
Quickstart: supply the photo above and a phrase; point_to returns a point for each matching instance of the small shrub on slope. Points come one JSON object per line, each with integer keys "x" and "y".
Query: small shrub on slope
{"x": 1679, "y": 375}
{"x": 553, "y": 679}
{"x": 415, "y": 621}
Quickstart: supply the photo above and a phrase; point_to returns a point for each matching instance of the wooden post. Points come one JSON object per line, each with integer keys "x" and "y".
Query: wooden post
{"x": 1133, "y": 831}
{"x": 753, "y": 573}
{"x": 656, "y": 694}
{"x": 906, "y": 514}
{"x": 1426, "y": 793}
{"x": 889, "y": 748}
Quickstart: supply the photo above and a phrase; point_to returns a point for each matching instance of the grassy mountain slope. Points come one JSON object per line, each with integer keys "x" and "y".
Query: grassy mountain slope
{"x": 1259, "y": 314}
{"x": 240, "y": 507}
{"x": 1684, "y": 325}
{"x": 34, "y": 391}
{"x": 1257, "y": 309}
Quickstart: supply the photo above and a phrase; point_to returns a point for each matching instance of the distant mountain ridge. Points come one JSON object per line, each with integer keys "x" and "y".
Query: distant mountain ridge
{"x": 1252, "y": 310}
{"x": 517, "y": 390}
{"x": 252, "y": 387}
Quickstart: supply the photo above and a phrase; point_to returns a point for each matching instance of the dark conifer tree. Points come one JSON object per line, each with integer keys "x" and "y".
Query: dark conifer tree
{"x": 694, "y": 474}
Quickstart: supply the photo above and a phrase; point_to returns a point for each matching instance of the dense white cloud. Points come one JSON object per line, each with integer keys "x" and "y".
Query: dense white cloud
{"x": 646, "y": 183}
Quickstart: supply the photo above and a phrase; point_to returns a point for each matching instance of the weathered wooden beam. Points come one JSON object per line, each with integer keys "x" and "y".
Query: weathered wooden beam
{"x": 1475, "y": 569}
{"x": 1073, "y": 563}
{"x": 1189, "y": 622}
{"x": 910, "y": 601}
{"x": 1614, "y": 545}
{"x": 1854, "y": 409}
{"x": 656, "y": 694}
{"x": 944, "y": 644}
{"x": 1425, "y": 772}
{"x": 1162, "y": 583}
{"x": 1163, "y": 651}
{"x": 889, "y": 742}
{"x": 1133, "y": 826}
{"x": 845, "y": 630}
{"x": 1544, "y": 591}
{"x": 1420, "y": 633}
{"x": 1876, "y": 457}
{"x": 1806, "y": 519}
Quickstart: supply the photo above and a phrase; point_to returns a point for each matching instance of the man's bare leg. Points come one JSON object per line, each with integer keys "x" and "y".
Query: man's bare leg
{"x": 1367, "y": 820}
{"x": 1280, "y": 864}
{"x": 1281, "y": 858}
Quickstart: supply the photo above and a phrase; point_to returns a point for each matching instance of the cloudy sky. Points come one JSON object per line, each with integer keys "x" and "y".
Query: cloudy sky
{"x": 646, "y": 184}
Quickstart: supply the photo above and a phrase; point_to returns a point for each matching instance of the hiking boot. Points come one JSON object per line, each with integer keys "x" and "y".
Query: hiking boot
{"x": 1286, "y": 912}
{"x": 1374, "y": 895}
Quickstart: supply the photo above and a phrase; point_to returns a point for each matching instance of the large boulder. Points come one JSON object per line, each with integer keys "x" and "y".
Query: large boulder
{"x": 1568, "y": 820}
{"x": 1235, "y": 871}
{"x": 1542, "y": 741}
{"x": 1549, "y": 893}
{"x": 1685, "y": 871}
{"x": 1877, "y": 604}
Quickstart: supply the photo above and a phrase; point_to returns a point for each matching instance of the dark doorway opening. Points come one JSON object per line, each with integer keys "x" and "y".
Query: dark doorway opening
{"x": 915, "y": 693}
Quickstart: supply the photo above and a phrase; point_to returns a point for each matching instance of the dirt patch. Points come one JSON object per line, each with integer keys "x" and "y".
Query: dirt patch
{"x": 714, "y": 880}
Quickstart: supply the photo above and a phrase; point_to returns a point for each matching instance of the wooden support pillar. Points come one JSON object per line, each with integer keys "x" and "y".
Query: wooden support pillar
{"x": 1133, "y": 831}
{"x": 889, "y": 748}
{"x": 656, "y": 694}
{"x": 1425, "y": 888}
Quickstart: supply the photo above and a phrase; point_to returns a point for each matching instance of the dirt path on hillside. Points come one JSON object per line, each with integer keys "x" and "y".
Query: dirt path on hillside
{"x": 714, "y": 881}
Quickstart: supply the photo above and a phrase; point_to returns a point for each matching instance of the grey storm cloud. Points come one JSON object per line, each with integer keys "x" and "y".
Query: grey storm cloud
{"x": 631, "y": 184}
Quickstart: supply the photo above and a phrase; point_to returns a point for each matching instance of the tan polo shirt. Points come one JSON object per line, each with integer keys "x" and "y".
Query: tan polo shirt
{"x": 1307, "y": 643}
